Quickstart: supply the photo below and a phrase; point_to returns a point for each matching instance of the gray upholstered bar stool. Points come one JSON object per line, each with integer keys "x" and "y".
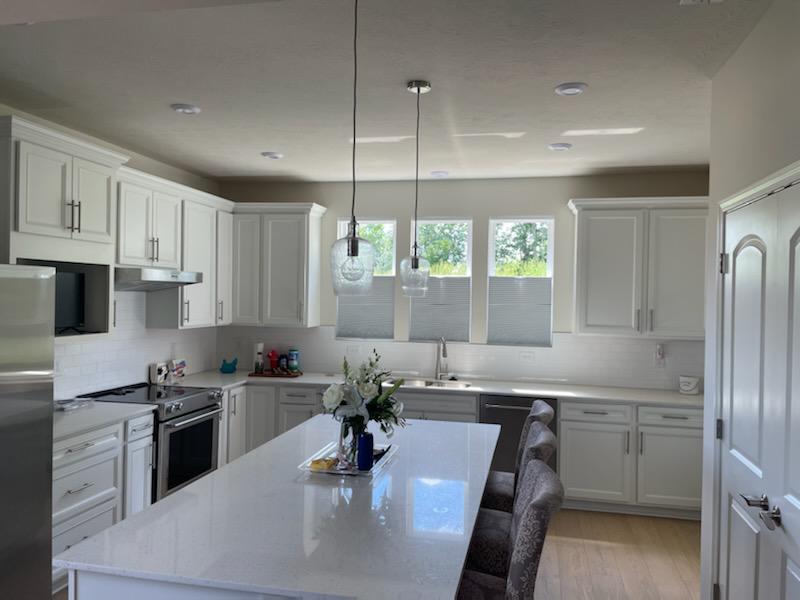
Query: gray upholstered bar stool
{"x": 505, "y": 549}
{"x": 500, "y": 485}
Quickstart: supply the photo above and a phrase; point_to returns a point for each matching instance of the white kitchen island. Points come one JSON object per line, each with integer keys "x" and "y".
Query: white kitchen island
{"x": 259, "y": 528}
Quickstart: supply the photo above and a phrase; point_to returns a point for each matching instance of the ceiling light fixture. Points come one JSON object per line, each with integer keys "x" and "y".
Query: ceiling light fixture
{"x": 439, "y": 174}
{"x": 611, "y": 131}
{"x": 560, "y": 147}
{"x": 353, "y": 258}
{"x": 415, "y": 269}
{"x": 571, "y": 88}
{"x": 185, "y": 109}
{"x": 272, "y": 155}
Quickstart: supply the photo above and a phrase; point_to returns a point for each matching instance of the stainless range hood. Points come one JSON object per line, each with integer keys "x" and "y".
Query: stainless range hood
{"x": 151, "y": 279}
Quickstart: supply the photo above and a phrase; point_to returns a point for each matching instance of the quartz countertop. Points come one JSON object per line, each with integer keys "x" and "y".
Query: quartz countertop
{"x": 504, "y": 388}
{"x": 261, "y": 525}
{"x": 94, "y": 415}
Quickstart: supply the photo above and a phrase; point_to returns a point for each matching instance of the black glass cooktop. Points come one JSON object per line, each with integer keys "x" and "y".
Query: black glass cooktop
{"x": 145, "y": 393}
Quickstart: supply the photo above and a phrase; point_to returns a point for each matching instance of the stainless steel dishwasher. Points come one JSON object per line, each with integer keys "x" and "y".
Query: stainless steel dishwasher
{"x": 509, "y": 412}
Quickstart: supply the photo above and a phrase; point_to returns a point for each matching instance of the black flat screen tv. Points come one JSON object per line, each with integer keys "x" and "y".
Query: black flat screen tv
{"x": 70, "y": 301}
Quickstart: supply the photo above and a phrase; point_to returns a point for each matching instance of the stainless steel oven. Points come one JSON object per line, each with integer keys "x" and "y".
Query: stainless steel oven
{"x": 187, "y": 449}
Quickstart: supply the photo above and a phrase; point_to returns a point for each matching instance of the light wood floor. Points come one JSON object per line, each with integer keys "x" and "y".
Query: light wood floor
{"x": 600, "y": 556}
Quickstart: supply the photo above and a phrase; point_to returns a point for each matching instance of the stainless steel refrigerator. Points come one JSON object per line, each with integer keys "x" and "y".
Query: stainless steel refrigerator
{"x": 27, "y": 311}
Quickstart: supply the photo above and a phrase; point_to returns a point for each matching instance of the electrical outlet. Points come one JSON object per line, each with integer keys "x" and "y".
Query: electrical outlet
{"x": 659, "y": 357}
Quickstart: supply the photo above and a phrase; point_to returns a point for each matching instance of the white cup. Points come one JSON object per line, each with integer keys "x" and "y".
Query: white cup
{"x": 689, "y": 384}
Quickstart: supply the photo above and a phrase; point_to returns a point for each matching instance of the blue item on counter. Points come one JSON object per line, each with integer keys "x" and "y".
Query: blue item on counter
{"x": 283, "y": 362}
{"x": 228, "y": 367}
{"x": 366, "y": 446}
{"x": 293, "y": 360}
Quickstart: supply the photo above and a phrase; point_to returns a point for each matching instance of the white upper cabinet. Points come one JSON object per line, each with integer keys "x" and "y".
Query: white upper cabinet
{"x": 149, "y": 227}
{"x": 93, "y": 193}
{"x": 167, "y": 230}
{"x": 276, "y": 264}
{"x": 676, "y": 281}
{"x": 45, "y": 191}
{"x": 200, "y": 254}
{"x": 640, "y": 268}
{"x": 224, "y": 268}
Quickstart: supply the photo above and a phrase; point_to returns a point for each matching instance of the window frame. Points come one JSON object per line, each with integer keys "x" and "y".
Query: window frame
{"x": 341, "y": 231}
{"x": 490, "y": 258}
{"x": 447, "y": 221}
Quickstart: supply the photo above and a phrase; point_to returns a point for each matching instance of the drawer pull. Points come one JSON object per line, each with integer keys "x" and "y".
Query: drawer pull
{"x": 296, "y": 395}
{"x": 79, "y": 448}
{"x": 68, "y": 546}
{"x": 138, "y": 429}
{"x": 508, "y": 407}
{"x": 596, "y": 412}
{"x": 85, "y": 486}
{"x": 675, "y": 417}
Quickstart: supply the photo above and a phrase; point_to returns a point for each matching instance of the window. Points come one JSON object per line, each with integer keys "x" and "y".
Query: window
{"x": 445, "y": 310}
{"x": 520, "y": 286}
{"x": 371, "y": 316}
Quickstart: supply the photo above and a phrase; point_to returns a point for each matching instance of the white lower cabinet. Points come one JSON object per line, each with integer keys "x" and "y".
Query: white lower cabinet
{"x": 670, "y": 466}
{"x": 291, "y": 415}
{"x": 260, "y": 415}
{"x": 138, "y": 475}
{"x": 237, "y": 423}
{"x": 461, "y": 408}
{"x": 595, "y": 461}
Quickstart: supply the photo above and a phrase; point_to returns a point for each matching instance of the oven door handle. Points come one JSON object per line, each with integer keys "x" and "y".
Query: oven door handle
{"x": 193, "y": 419}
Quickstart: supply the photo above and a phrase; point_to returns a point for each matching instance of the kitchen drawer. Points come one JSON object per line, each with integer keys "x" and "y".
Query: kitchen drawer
{"x": 680, "y": 417}
{"x": 595, "y": 412}
{"x": 83, "y": 526}
{"x": 85, "y": 445}
{"x": 138, "y": 428}
{"x": 81, "y": 485}
{"x": 439, "y": 403}
{"x": 300, "y": 395}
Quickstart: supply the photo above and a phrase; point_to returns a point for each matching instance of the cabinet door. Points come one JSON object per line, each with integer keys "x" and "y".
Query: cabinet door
{"x": 676, "y": 273}
{"x": 284, "y": 270}
{"x": 93, "y": 190}
{"x": 135, "y": 243}
{"x": 224, "y": 267}
{"x": 138, "y": 476}
{"x": 199, "y": 254}
{"x": 44, "y": 191}
{"x": 237, "y": 423}
{"x": 246, "y": 269}
{"x": 595, "y": 461}
{"x": 261, "y": 417}
{"x": 609, "y": 271}
{"x": 291, "y": 415}
{"x": 670, "y": 466}
{"x": 167, "y": 230}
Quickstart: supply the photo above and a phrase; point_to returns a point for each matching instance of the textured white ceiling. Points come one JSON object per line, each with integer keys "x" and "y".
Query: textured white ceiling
{"x": 277, "y": 75}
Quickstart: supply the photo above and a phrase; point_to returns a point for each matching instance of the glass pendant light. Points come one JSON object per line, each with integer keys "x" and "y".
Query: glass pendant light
{"x": 352, "y": 257}
{"x": 414, "y": 269}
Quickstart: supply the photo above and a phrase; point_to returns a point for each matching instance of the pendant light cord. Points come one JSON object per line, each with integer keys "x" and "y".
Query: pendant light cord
{"x": 355, "y": 105}
{"x": 416, "y": 176}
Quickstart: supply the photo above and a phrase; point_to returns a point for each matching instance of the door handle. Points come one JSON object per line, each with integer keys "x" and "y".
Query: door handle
{"x": 72, "y": 206}
{"x": 114, "y": 314}
{"x": 153, "y": 246}
{"x": 601, "y": 413}
{"x": 627, "y": 442}
{"x": 772, "y": 518}
{"x": 641, "y": 443}
{"x": 506, "y": 407}
{"x": 761, "y": 502}
{"x": 652, "y": 319}
{"x": 210, "y": 413}
{"x": 78, "y": 490}
{"x": 157, "y": 249}
{"x": 233, "y": 408}
{"x": 638, "y": 319}
{"x": 79, "y": 216}
{"x": 186, "y": 317}
{"x": 221, "y": 309}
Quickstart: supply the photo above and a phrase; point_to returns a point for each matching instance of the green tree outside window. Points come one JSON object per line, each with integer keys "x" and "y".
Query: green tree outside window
{"x": 521, "y": 248}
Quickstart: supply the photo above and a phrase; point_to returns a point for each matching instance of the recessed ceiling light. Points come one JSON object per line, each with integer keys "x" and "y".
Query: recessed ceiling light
{"x": 560, "y": 147}
{"x": 439, "y": 174}
{"x": 272, "y": 155}
{"x": 612, "y": 131}
{"x": 571, "y": 88}
{"x": 185, "y": 109}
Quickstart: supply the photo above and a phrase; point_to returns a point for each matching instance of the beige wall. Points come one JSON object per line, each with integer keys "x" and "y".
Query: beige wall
{"x": 755, "y": 120}
{"x": 137, "y": 161}
{"x": 480, "y": 200}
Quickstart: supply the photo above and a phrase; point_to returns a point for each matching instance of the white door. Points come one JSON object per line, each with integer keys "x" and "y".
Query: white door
{"x": 44, "y": 194}
{"x": 246, "y": 269}
{"x": 291, "y": 415}
{"x": 610, "y": 270}
{"x": 224, "y": 267}
{"x": 138, "y": 476}
{"x": 759, "y": 556}
{"x": 167, "y": 230}
{"x": 676, "y": 273}
{"x": 237, "y": 423}
{"x": 261, "y": 415}
{"x": 669, "y": 466}
{"x": 93, "y": 190}
{"x": 284, "y": 269}
{"x": 135, "y": 243}
{"x": 595, "y": 461}
{"x": 199, "y": 254}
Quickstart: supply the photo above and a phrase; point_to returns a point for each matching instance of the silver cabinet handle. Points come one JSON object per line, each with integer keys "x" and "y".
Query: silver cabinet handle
{"x": 158, "y": 249}
{"x": 138, "y": 429}
{"x": 505, "y": 407}
{"x": 68, "y": 546}
{"x": 637, "y": 319}
{"x": 72, "y": 206}
{"x": 233, "y": 408}
{"x": 186, "y": 316}
{"x": 761, "y": 502}
{"x": 79, "y": 448}
{"x": 296, "y": 396}
{"x": 641, "y": 443}
{"x": 771, "y": 518}
{"x": 78, "y": 490}
{"x": 80, "y": 216}
{"x": 596, "y": 412}
{"x": 675, "y": 417}
{"x": 652, "y": 319}
{"x": 153, "y": 249}
{"x": 114, "y": 313}
{"x": 193, "y": 419}
{"x": 627, "y": 442}
{"x": 219, "y": 303}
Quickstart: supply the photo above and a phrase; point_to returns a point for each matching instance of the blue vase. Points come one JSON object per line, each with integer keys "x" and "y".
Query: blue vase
{"x": 366, "y": 445}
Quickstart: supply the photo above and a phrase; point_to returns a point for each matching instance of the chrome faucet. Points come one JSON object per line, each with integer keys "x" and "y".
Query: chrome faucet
{"x": 441, "y": 359}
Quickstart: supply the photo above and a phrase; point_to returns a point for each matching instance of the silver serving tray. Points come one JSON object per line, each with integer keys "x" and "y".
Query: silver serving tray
{"x": 329, "y": 451}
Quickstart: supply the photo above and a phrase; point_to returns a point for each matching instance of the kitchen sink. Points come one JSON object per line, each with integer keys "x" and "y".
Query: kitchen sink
{"x": 423, "y": 383}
